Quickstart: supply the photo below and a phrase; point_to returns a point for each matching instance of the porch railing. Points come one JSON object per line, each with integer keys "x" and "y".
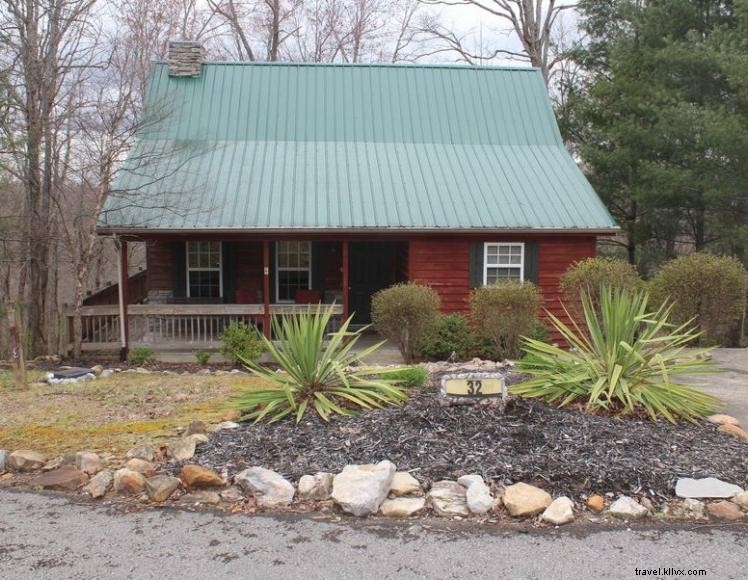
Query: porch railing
{"x": 171, "y": 326}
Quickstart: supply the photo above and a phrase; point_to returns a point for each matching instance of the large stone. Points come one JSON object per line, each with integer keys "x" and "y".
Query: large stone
{"x": 560, "y": 512}
{"x": 734, "y": 431}
{"x": 316, "y": 487}
{"x": 708, "y": 487}
{"x": 479, "y": 498}
{"x": 402, "y": 507}
{"x": 181, "y": 450}
{"x": 741, "y": 499}
{"x": 144, "y": 452}
{"x": 25, "y": 460}
{"x": 141, "y": 466}
{"x": 448, "y": 498}
{"x": 361, "y": 489}
{"x": 199, "y": 476}
{"x": 627, "y": 508}
{"x": 99, "y": 484}
{"x": 688, "y": 509}
{"x": 198, "y": 438}
{"x": 467, "y": 480}
{"x": 89, "y": 463}
{"x": 724, "y": 510}
{"x": 64, "y": 479}
{"x": 128, "y": 482}
{"x": 523, "y": 500}
{"x": 160, "y": 487}
{"x": 270, "y": 489}
{"x": 596, "y": 503}
{"x": 722, "y": 420}
{"x": 403, "y": 483}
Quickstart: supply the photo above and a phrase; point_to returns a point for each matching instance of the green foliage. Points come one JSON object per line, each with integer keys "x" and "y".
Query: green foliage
{"x": 503, "y": 313}
{"x": 404, "y": 313}
{"x": 658, "y": 113}
{"x": 622, "y": 361}
{"x": 709, "y": 289}
{"x": 241, "y": 343}
{"x": 589, "y": 275}
{"x": 449, "y": 337}
{"x": 316, "y": 372}
{"x": 202, "y": 357}
{"x": 140, "y": 356}
{"x": 409, "y": 377}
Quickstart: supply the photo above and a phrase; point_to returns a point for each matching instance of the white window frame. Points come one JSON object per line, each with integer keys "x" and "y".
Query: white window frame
{"x": 521, "y": 264}
{"x": 189, "y": 269}
{"x": 290, "y": 269}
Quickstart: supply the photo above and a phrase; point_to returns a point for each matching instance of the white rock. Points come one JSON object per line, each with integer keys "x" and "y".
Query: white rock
{"x": 361, "y": 489}
{"x": 3, "y": 459}
{"x": 315, "y": 487}
{"x": 226, "y": 425}
{"x": 89, "y": 463}
{"x": 270, "y": 489}
{"x": 709, "y": 487}
{"x": 560, "y": 512}
{"x": 739, "y": 498}
{"x": 402, "y": 507}
{"x": 99, "y": 484}
{"x": 107, "y": 373}
{"x": 198, "y": 438}
{"x": 144, "y": 452}
{"x": 689, "y": 508}
{"x": 448, "y": 498}
{"x": 181, "y": 450}
{"x": 628, "y": 508}
{"x": 467, "y": 480}
{"x": 405, "y": 484}
{"x": 479, "y": 498}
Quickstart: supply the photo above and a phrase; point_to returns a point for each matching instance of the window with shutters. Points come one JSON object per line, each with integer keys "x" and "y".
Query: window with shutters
{"x": 204, "y": 279}
{"x": 293, "y": 269}
{"x": 503, "y": 261}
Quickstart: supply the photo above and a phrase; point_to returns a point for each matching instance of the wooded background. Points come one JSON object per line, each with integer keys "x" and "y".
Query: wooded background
{"x": 651, "y": 96}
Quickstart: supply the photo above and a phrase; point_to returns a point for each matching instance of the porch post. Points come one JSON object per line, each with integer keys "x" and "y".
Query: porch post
{"x": 345, "y": 280}
{"x": 124, "y": 327}
{"x": 266, "y": 288}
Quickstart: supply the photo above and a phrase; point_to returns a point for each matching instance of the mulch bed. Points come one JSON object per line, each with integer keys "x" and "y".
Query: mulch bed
{"x": 565, "y": 451}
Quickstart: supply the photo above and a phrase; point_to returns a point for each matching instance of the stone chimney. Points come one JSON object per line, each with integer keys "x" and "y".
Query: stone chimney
{"x": 185, "y": 58}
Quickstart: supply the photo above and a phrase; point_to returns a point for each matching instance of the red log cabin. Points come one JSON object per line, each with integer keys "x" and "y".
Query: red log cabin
{"x": 259, "y": 187}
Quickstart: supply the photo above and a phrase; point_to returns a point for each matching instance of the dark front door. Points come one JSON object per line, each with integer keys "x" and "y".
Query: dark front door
{"x": 372, "y": 267}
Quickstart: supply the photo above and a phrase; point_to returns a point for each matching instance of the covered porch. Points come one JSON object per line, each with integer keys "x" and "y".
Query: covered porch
{"x": 194, "y": 288}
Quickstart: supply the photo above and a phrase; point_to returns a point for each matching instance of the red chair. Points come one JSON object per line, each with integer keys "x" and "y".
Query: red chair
{"x": 307, "y": 296}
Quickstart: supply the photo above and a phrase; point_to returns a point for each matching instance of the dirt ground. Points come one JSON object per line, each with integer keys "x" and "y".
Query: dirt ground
{"x": 111, "y": 414}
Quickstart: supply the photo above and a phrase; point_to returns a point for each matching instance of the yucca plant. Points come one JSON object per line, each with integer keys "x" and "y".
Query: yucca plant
{"x": 315, "y": 372}
{"x": 625, "y": 359}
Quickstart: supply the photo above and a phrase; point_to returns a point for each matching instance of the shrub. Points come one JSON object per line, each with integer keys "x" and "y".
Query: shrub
{"x": 503, "y": 313}
{"x": 202, "y": 357}
{"x": 410, "y": 377}
{"x": 588, "y": 275}
{"x": 316, "y": 372}
{"x": 449, "y": 337}
{"x": 403, "y": 313}
{"x": 622, "y": 360}
{"x": 241, "y": 343}
{"x": 140, "y": 356}
{"x": 709, "y": 289}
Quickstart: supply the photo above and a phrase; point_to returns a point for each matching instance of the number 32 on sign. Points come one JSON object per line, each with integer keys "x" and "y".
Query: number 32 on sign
{"x": 474, "y": 386}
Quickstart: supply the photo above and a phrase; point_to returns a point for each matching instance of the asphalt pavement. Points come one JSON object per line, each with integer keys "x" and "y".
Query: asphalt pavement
{"x": 60, "y": 538}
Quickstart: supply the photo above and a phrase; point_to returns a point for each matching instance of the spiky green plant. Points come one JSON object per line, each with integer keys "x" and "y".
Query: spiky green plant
{"x": 316, "y": 372}
{"x": 625, "y": 359}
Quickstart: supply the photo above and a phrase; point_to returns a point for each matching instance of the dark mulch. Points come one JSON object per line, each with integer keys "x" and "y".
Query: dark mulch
{"x": 566, "y": 451}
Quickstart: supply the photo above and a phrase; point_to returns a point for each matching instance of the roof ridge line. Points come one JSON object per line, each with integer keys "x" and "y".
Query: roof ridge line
{"x": 524, "y": 68}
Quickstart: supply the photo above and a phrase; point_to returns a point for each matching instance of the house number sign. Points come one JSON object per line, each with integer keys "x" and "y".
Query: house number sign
{"x": 467, "y": 387}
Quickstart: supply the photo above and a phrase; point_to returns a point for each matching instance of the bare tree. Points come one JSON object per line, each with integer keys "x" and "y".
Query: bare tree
{"x": 533, "y": 22}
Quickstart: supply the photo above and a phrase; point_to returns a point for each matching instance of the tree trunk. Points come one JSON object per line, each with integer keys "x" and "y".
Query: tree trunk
{"x": 16, "y": 351}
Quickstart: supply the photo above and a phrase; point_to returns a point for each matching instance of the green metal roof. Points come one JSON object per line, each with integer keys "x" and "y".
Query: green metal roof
{"x": 310, "y": 146}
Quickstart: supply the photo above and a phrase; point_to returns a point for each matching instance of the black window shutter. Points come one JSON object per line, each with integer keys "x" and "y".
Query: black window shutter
{"x": 319, "y": 256}
{"x": 475, "y": 267}
{"x": 531, "y": 262}
{"x": 228, "y": 265}
{"x": 272, "y": 271}
{"x": 179, "y": 269}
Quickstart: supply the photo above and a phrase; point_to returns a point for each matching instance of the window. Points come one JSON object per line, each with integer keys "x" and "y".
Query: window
{"x": 204, "y": 270}
{"x": 503, "y": 262}
{"x": 293, "y": 269}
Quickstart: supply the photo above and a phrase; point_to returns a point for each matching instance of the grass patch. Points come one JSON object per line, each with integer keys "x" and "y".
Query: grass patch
{"x": 112, "y": 414}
